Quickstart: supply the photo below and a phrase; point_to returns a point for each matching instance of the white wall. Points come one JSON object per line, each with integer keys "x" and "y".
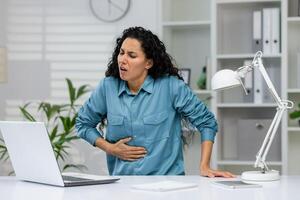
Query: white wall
{"x": 48, "y": 40}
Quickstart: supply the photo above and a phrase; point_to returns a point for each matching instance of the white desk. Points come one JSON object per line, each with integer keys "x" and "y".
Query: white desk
{"x": 288, "y": 188}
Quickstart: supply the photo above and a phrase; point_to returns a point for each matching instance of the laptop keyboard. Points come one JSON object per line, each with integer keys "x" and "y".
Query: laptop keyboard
{"x": 72, "y": 178}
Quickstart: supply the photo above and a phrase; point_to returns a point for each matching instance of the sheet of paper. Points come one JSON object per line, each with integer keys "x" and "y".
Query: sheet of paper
{"x": 163, "y": 186}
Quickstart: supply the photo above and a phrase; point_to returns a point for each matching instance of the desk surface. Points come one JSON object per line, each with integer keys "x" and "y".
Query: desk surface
{"x": 286, "y": 189}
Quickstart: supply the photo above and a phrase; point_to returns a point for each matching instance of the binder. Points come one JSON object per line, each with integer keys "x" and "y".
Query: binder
{"x": 257, "y": 31}
{"x": 267, "y": 30}
{"x": 298, "y": 69}
{"x": 275, "y": 33}
{"x": 258, "y": 86}
{"x": 248, "y": 83}
{"x": 3, "y": 70}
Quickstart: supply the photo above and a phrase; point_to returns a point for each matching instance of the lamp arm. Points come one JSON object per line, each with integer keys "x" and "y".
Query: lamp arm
{"x": 257, "y": 62}
{"x": 264, "y": 149}
{"x": 282, "y": 106}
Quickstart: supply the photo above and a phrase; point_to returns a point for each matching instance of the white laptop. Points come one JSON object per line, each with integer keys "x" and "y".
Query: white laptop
{"x": 33, "y": 158}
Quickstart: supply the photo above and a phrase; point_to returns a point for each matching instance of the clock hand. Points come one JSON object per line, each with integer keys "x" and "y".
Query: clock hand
{"x": 109, "y": 7}
{"x": 115, "y": 5}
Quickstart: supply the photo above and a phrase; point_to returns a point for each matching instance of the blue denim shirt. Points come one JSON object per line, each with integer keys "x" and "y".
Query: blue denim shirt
{"x": 152, "y": 117}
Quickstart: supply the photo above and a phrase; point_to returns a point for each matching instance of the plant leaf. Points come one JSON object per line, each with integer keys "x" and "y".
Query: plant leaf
{"x": 61, "y": 122}
{"x": 79, "y": 167}
{"x": 12, "y": 173}
{"x": 81, "y": 91}
{"x": 71, "y": 91}
{"x": 295, "y": 114}
{"x": 53, "y": 133}
{"x": 26, "y": 114}
{"x": 51, "y": 110}
{"x": 69, "y": 139}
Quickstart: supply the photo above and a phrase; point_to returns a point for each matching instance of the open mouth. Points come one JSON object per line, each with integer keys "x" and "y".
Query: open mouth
{"x": 123, "y": 69}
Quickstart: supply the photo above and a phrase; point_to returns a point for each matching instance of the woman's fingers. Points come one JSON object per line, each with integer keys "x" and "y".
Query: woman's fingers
{"x": 137, "y": 156}
{"x": 131, "y": 148}
{"x": 222, "y": 174}
{"x": 143, "y": 152}
{"x": 125, "y": 140}
{"x": 133, "y": 157}
{"x": 216, "y": 173}
{"x": 230, "y": 175}
{"x": 127, "y": 152}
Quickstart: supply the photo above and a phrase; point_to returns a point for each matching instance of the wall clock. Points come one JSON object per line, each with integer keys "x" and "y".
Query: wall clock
{"x": 109, "y": 10}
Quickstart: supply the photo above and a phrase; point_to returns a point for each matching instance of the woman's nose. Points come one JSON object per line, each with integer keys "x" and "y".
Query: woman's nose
{"x": 122, "y": 58}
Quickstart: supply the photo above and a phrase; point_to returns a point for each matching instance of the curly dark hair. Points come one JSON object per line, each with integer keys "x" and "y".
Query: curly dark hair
{"x": 153, "y": 48}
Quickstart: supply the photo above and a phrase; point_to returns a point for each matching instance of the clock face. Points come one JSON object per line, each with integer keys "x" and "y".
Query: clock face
{"x": 109, "y": 10}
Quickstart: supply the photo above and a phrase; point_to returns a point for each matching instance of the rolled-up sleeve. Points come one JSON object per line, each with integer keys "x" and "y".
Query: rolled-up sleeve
{"x": 187, "y": 103}
{"x": 91, "y": 113}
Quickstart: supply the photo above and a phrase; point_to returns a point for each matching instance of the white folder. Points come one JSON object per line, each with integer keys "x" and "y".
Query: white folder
{"x": 248, "y": 83}
{"x": 267, "y": 31}
{"x": 275, "y": 33}
{"x": 298, "y": 69}
{"x": 257, "y": 33}
{"x": 3, "y": 66}
{"x": 248, "y": 77}
{"x": 258, "y": 86}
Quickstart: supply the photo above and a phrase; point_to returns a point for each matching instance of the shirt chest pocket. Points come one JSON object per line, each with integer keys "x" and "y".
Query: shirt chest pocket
{"x": 156, "y": 127}
{"x": 115, "y": 128}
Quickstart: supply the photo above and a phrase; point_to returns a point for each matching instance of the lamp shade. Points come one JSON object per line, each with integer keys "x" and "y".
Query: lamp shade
{"x": 225, "y": 79}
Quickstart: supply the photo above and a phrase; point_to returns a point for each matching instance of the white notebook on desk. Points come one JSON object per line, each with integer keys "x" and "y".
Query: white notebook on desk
{"x": 164, "y": 186}
{"x": 235, "y": 184}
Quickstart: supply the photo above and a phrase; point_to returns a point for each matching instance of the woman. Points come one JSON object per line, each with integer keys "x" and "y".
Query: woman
{"x": 143, "y": 99}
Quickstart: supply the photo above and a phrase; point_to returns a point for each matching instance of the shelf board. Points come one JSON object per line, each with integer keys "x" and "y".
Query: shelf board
{"x": 245, "y": 105}
{"x": 239, "y": 56}
{"x": 202, "y": 91}
{"x": 245, "y": 1}
{"x": 293, "y": 90}
{"x": 293, "y": 19}
{"x": 186, "y": 23}
{"x": 237, "y": 162}
{"x": 294, "y": 129}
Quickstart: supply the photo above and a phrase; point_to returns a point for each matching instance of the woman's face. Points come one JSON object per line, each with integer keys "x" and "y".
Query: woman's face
{"x": 132, "y": 61}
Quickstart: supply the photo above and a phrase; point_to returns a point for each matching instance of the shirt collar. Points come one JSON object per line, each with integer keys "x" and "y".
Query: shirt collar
{"x": 147, "y": 86}
{"x": 122, "y": 87}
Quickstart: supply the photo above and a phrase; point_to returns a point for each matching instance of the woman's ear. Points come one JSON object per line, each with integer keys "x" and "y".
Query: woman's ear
{"x": 149, "y": 63}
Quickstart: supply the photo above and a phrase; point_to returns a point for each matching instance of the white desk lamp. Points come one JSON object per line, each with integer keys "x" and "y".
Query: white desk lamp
{"x": 225, "y": 79}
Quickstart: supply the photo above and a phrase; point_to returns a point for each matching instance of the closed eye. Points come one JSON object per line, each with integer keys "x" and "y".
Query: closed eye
{"x": 131, "y": 55}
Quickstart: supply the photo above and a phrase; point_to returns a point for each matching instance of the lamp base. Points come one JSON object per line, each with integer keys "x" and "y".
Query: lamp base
{"x": 271, "y": 175}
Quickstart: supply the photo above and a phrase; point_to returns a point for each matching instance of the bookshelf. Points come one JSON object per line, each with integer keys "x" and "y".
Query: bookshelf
{"x": 244, "y": 123}
{"x": 225, "y": 35}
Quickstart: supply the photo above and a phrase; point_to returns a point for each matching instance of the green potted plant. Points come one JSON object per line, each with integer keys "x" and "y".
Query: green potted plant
{"x": 60, "y": 122}
{"x": 296, "y": 114}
